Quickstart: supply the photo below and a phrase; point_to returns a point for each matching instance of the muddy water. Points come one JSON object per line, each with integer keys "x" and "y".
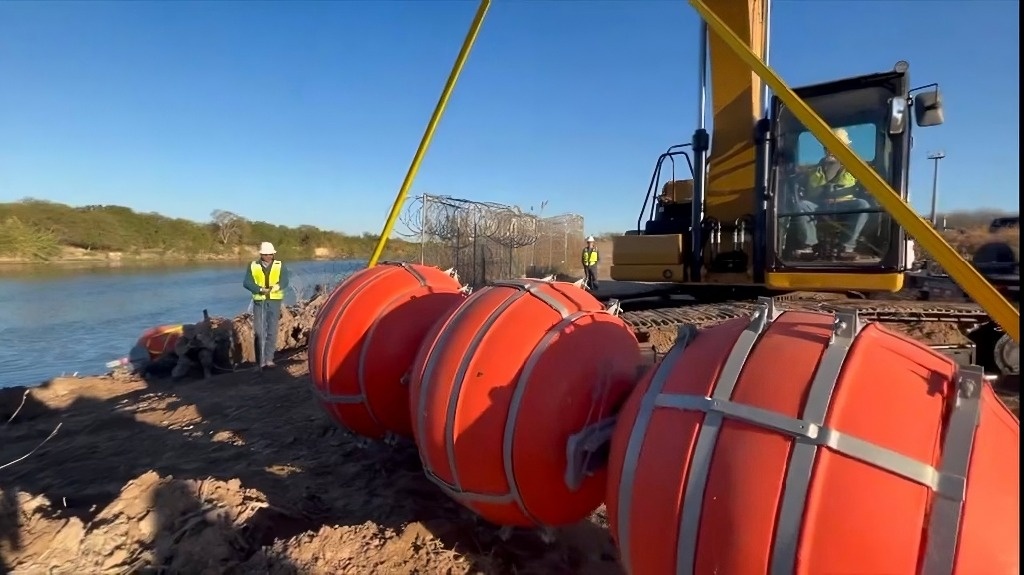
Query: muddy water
{"x": 58, "y": 320}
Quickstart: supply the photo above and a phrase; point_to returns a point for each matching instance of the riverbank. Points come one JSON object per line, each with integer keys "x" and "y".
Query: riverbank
{"x": 77, "y": 257}
{"x": 65, "y": 319}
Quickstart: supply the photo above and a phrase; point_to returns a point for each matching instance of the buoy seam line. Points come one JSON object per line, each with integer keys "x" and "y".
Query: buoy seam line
{"x": 440, "y": 340}
{"x": 326, "y": 395}
{"x": 687, "y": 333}
{"x": 516, "y": 403}
{"x": 514, "y": 495}
{"x": 522, "y": 289}
{"x": 796, "y": 485}
{"x": 325, "y": 374}
{"x": 707, "y": 437}
{"x": 365, "y": 348}
{"x": 454, "y": 394}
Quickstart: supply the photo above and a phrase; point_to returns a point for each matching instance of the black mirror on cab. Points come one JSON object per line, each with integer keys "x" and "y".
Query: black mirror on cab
{"x": 928, "y": 108}
{"x": 897, "y": 115}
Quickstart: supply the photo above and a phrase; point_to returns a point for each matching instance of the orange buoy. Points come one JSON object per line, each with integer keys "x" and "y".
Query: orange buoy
{"x": 512, "y": 395}
{"x": 808, "y": 443}
{"x": 365, "y": 338}
{"x": 158, "y": 340}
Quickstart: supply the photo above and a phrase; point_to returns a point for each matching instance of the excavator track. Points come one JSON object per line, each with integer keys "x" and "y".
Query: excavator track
{"x": 962, "y": 331}
{"x": 702, "y": 315}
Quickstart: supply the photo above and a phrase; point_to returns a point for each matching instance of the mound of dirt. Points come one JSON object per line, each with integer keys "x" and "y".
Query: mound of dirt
{"x": 241, "y": 473}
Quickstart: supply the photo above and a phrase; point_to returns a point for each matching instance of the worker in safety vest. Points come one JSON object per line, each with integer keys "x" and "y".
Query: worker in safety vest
{"x": 829, "y": 188}
{"x": 266, "y": 279}
{"x": 589, "y": 259}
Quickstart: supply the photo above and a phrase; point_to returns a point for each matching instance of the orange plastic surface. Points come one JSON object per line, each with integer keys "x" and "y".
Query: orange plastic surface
{"x": 365, "y": 338}
{"x": 893, "y": 392}
{"x": 498, "y": 389}
{"x": 157, "y": 340}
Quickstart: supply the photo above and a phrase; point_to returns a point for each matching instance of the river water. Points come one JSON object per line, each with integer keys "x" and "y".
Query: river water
{"x": 56, "y": 320}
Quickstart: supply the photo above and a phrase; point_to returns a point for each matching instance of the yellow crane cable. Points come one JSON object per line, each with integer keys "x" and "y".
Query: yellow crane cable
{"x": 428, "y": 133}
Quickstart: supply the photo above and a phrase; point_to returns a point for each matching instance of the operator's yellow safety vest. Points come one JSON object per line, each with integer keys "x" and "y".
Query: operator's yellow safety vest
{"x": 256, "y": 268}
{"x": 817, "y": 182}
{"x": 589, "y": 256}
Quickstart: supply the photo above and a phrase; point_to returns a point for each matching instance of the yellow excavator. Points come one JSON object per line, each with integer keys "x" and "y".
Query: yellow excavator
{"x": 745, "y": 223}
{"x": 843, "y": 246}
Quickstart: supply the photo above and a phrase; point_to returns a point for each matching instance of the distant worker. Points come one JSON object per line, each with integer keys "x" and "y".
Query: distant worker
{"x": 830, "y": 188}
{"x": 590, "y": 259}
{"x": 267, "y": 280}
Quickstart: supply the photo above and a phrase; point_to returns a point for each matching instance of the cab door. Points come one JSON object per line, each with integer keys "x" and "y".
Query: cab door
{"x": 825, "y": 231}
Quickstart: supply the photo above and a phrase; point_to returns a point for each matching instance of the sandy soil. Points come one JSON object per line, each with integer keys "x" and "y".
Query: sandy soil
{"x": 239, "y": 474}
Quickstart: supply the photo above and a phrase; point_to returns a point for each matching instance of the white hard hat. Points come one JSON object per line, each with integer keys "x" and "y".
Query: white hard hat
{"x": 590, "y": 238}
{"x": 267, "y": 249}
{"x": 843, "y": 135}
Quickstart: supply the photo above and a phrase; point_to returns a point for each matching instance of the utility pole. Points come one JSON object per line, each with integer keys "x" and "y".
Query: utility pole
{"x": 935, "y": 157}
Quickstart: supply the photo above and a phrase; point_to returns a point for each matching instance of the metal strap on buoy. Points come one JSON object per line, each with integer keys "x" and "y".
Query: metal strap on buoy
{"x": 948, "y": 482}
{"x": 523, "y": 288}
{"x": 325, "y": 395}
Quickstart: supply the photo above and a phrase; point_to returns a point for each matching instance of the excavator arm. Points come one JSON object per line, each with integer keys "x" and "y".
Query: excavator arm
{"x": 722, "y": 184}
{"x": 737, "y": 103}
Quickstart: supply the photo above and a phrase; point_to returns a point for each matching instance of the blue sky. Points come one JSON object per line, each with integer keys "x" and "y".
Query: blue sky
{"x": 310, "y": 112}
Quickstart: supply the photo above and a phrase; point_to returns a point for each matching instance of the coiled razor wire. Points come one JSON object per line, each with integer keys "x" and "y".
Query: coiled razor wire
{"x": 486, "y": 241}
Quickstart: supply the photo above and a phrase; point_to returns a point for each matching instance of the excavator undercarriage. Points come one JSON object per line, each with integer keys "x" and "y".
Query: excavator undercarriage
{"x": 962, "y": 330}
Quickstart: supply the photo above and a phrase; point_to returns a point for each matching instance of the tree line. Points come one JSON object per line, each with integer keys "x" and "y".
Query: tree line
{"x": 39, "y": 230}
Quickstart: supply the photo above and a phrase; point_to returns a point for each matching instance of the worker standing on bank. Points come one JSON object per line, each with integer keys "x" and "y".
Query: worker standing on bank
{"x": 590, "y": 259}
{"x": 267, "y": 280}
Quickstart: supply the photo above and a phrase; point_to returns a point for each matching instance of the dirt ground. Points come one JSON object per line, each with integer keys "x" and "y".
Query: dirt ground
{"x": 238, "y": 474}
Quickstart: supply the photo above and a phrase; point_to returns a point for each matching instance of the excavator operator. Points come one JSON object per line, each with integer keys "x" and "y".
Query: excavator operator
{"x": 828, "y": 189}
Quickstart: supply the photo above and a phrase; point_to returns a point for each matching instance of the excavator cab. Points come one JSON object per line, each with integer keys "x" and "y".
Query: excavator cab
{"x": 803, "y": 223}
{"x": 823, "y": 229}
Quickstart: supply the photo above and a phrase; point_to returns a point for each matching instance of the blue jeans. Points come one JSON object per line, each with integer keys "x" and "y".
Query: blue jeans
{"x": 266, "y": 315}
{"x": 853, "y": 224}
{"x": 809, "y": 237}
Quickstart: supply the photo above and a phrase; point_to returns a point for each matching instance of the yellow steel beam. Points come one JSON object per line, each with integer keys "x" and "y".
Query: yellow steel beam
{"x": 428, "y": 133}
{"x": 963, "y": 273}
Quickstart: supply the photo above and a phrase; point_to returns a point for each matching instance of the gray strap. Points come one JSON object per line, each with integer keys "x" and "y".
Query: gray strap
{"x": 947, "y": 511}
{"x": 801, "y": 459}
{"x": 707, "y": 438}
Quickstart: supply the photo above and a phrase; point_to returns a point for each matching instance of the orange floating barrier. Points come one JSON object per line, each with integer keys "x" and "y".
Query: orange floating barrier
{"x": 512, "y": 395}
{"x": 158, "y": 340}
{"x": 808, "y": 443}
{"x": 365, "y": 338}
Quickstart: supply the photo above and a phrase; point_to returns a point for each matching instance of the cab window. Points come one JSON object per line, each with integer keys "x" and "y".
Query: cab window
{"x": 862, "y": 136}
{"x": 825, "y": 215}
